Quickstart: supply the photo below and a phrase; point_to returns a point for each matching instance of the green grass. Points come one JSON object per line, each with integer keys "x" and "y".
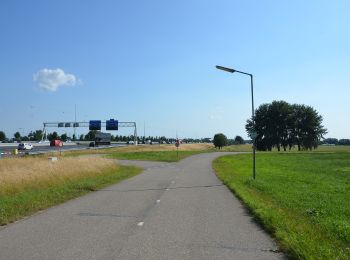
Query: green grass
{"x": 16, "y": 206}
{"x": 237, "y": 148}
{"x": 301, "y": 198}
{"x": 162, "y": 156}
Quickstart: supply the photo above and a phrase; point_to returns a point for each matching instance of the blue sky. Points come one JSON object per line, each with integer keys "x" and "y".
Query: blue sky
{"x": 154, "y": 62}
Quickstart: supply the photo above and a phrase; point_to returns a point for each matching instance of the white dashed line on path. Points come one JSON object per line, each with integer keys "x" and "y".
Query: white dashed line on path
{"x": 140, "y": 224}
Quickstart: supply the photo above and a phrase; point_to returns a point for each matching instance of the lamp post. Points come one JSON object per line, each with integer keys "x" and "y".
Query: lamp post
{"x": 253, "y": 134}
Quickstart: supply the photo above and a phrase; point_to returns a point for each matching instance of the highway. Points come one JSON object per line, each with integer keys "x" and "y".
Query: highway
{"x": 6, "y": 149}
{"x": 170, "y": 211}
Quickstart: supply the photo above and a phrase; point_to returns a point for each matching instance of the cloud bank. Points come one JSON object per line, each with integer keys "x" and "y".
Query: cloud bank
{"x": 52, "y": 79}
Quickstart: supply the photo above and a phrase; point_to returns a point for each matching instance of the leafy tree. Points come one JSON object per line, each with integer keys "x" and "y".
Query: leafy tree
{"x": 81, "y": 138}
{"x": 279, "y": 113}
{"x": 238, "y": 140}
{"x": 220, "y": 140}
{"x": 53, "y": 136}
{"x": 330, "y": 141}
{"x": 17, "y": 136}
{"x": 74, "y": 137}
{"x": 90, "y": 136}
{"x": 24, "y": 138}
{"x": 263, "y": 128}
{"x": 64, "y": 137}
{"x": 38, "y": 135}
{"x": 206, "y": 140}
{"x": 280, "y": 124}
{"x": 344, "y": 142}
{"x": 2, "y": 136}
{"x": 308, "y": 129}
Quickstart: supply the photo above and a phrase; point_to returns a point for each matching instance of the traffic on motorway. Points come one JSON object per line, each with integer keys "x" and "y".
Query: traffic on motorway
{"x": 12, "y": 149}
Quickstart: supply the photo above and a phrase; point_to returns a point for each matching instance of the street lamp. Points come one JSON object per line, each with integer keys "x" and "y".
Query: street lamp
{"x": 253, "y": 134}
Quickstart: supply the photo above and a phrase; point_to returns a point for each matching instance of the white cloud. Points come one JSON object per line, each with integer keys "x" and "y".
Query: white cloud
{"x": 52, "y": 79}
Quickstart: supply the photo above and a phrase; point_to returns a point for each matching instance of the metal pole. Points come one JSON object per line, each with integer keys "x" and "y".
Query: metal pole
{"x": 253, "y": 118}
{"x": 253, "y": 135}
{"x": 135, "y": 135}
{"x": 75, "y": 120}
{"x": 44, "y": 130}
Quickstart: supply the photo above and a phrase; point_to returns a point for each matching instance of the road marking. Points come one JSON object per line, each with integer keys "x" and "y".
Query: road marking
{"x": 166, "y": 189}
{"x": 158, "y": 201}
{"x": 140, "y": 224}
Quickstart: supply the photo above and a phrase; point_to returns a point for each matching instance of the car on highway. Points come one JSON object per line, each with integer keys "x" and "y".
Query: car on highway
{"x": 25, "y": 146}
{"x": 43, "y": 141}
{"x": 56, "y": 142}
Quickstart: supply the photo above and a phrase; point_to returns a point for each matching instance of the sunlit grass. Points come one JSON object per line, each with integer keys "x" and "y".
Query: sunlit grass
{"x": 19, "y": 174}
{"x": 31, "y": 184}
{"x": 301, "y": 198}
{"x": 162, "y": 156}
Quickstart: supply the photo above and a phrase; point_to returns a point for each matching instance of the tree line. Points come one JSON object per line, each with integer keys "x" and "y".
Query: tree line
{"x": 32, "y": 136}
{"x": 283, "y": 125}
{"x": 335, "y": 141}
{"x": 220, "y": 140}
{"x": 37, "y": 135}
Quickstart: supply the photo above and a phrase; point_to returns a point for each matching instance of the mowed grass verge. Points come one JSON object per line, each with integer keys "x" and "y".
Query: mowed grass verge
{"x": 168, "y": 153}
{"x": 165, "y": 153}
{"x": 28, "y": 185}
{"x": 161, "y": 156}
{"x": 301, "y": 198}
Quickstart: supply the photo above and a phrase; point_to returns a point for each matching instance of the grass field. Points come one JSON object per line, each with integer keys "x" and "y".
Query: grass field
{"x": 164, "y": 153}
{"x": 28, "y": 185}
{"x": 301, "y": 198}
{"x": 162, "y": 156}
{"x": 141, "y": 148}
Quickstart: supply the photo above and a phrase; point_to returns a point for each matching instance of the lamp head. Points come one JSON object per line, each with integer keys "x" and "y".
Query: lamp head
{"x": 225, "y": 69}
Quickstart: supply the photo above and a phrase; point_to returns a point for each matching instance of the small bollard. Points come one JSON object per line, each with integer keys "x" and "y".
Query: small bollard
{"x": 53, "y": 159}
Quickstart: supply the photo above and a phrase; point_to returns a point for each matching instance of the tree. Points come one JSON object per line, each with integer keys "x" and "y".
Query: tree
{"x": 280, "y": 124}
{"x": 2, "y": 136}
{"x": 330, "y": 141}
{"x": 53, "y": 136}
{"x": 90, "y": 136}
{"x": 263, "y": 128}
{"x": 308, "y": 129}
{"x": 344, "y": 142}
{"x": 17, "y": 136}
{"x": 38, "y": 135}
{"x": 220, "y": 140}
{"x": 25, "y": 138}
{"x": 238, "y": 140}
{"x": 64, "y": 137}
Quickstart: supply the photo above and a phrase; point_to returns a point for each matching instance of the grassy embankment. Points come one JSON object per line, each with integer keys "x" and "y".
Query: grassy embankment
{"x": 301, "y": 198}
{"x": 28, "y": 185}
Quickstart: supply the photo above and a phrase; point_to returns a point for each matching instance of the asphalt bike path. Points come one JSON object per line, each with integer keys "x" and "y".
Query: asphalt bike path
{"x": 170, "y": 211}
